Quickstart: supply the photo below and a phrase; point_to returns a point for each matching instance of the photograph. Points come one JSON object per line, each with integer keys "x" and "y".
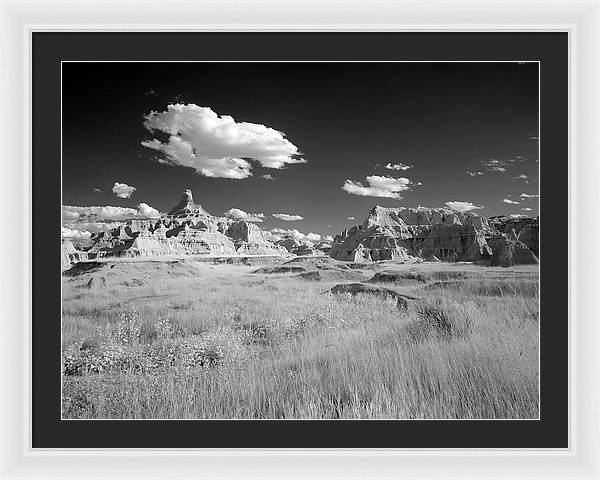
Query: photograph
{"x": 299, "y": 240}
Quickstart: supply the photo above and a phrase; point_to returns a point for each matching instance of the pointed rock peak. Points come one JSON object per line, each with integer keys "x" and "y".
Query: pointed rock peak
{"x": 187, "y": 196}
{"x": 187, "y": 207}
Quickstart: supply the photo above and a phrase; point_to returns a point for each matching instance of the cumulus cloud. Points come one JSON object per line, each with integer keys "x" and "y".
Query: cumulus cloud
{"x": 70, "y": 215}
{"x": 474, "y": 174}
{"x": 122, "y": 190}
{"x": 104, "y": 214}
{"x": 296, "y": 235}
{"x": 378, "y": 186}
{"x": 88, "y": 220}
{"x": 217, "y": 146}
{"x": 75, "y": 233}
{"x": 494, "y": 165}
{"x": 511, "y": 202}
{"x": 268, "y": 176}
{"x": 288, "y": 218}
{"x": 526, "y": 209}
{"x": 462, "y": 206}
{"x": 526, "y": 195}
{"x": 238, "y": 214}
{"x": 398, "y": 166}
{"x": 146, "y": 210}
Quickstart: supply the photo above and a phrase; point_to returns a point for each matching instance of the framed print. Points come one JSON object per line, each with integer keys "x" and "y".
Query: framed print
{"x": 250, "y": 246}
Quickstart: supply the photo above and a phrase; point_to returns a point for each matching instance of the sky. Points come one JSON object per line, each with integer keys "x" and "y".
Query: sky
{"x": 306, "y": 146}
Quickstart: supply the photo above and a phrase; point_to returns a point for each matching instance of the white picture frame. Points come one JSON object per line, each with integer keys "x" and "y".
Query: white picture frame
{"x": 581, "y": 19}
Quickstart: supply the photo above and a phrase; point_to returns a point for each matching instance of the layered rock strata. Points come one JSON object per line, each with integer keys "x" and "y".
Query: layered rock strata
{"x": 409, "y": 234}
{"x": 187, "y": 229}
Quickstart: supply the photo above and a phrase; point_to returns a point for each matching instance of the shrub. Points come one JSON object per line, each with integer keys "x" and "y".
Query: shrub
{"x": 108, "y": 357}
{"x": 119, "y": 351}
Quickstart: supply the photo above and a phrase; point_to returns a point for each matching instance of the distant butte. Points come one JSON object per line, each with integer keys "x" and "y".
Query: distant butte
{"x": 399, "y": 234}
{"x": 416, "y": 234}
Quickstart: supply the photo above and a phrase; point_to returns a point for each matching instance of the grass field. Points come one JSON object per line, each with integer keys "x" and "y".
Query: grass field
{"x": 185, "y": 339}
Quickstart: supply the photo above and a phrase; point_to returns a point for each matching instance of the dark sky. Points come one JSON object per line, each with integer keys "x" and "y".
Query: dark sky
{"x": 347, "y": 119}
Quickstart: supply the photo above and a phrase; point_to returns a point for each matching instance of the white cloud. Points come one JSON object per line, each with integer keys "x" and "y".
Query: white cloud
{"x": 350, "y": 218}
{"x": 288, "y": 218}
{"x": 384, "y": 187}
{"x": 462, "y": 206}
{"x": 268, "y": 176}
{"x": 122, "y": 190}
{"x": 511, "y": 202}
{"x": 146, "y": 210}
{"x": 105, "y": 214}
{"x": 526, "y": 195}
{"x": 75, "y": 233}
{"x": 526, "y": 209}
{"x": 328, "y": 238}
{"x": 297, "y": 235}
{"x": 522, "y": 177}
{"x": 100, "y": 219}
{"x": 474, "y": 174}
{"x": 69, "y": 215}
{"x": 238, "y": 214}
{"x": 398, "y": 166}
{"x": 517, "y": 215}
{"x": 217, "y": 146}
{"x": 493, "y": 165}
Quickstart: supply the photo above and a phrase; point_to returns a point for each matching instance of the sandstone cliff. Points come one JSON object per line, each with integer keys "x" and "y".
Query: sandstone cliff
{"x": 412, "y": 234}
{"x": 524, "y": 230}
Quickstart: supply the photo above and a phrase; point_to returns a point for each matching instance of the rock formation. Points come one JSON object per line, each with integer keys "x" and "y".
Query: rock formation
{"x": 524, "y": 230}
{"x": 408, "y": 234}
{"x": 187, "y": 229}
{"x": 187, "y": 208}
{"x": 303, "y": 247}
{"x": 249, "y": 239}
{"x": 400, "y": 234}
{"x": 70, "y": 255}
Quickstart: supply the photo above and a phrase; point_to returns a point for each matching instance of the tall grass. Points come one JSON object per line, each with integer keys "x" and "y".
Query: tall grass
{"x": 292, "y": 351}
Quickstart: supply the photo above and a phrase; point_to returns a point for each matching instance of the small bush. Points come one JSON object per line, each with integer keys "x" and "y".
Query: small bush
{"x": 107, "y": 357}
{"x": 118, "y": 350}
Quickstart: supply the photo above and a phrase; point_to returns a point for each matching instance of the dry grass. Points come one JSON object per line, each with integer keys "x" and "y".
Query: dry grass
{"x": 221, "y": 342}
